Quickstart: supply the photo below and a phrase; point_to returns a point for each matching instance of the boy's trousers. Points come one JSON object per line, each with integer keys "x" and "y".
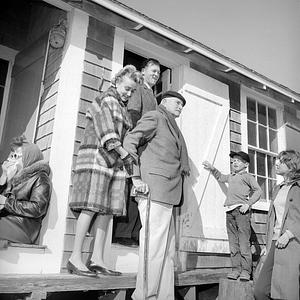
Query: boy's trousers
{"x": 161, "y": 253}
{"x": 239, "y": 231}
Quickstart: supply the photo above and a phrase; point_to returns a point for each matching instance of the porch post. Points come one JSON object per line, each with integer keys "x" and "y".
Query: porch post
{"x": 62, "y": 145}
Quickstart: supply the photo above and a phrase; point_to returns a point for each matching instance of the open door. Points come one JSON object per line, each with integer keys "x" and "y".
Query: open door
{"x": 205, "y": 125}
{"x": 26, "y": 80}
{"x": 163, "y": 84}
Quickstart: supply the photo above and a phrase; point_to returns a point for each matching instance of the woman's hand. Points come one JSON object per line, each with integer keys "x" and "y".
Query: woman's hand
{"x": 140, "y": 186}
{"x": 263, "y": 251}
{"x": 9, "y": 168}
{"x": 282, "y": 241}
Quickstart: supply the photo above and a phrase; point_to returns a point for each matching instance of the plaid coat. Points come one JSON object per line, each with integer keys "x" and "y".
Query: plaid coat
{"x": 107, "y": 123}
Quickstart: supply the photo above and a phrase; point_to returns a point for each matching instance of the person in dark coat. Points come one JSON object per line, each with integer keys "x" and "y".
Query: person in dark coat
{"x": 100, "y": 172}
{"x": 143, "y": 100}
{"x": 25, "y": 193}
{"x": 279, "y": 276}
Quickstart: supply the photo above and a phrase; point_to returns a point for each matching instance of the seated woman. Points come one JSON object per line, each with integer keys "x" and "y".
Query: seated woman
{"x": 25, "y": 191}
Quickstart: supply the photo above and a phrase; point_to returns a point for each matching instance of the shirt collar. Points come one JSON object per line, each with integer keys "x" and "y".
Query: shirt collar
{"x": 240, "y": 173}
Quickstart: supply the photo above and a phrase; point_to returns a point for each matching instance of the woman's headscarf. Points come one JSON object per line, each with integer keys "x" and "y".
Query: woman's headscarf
{"x": 31, "y": 153}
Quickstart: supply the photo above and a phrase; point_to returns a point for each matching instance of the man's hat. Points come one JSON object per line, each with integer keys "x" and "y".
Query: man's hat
{"x": 173, "y": 94}
{"x": 244, "y": 156}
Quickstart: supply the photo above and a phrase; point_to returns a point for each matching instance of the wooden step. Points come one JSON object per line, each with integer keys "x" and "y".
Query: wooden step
{"x": 235, "y": 289}
{"x": 125, "y": 259}
{"x": 18, "y": 258}
{"x": 66, "y": 282}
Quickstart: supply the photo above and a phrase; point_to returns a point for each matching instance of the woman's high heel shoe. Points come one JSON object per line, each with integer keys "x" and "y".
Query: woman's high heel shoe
{"x": 101, "y": 270}
{"x": 74, "y": 270}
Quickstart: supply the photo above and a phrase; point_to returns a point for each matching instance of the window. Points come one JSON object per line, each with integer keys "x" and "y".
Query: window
{"x": 6, "y": 61}
{"x": 261, "y": 128}
{"x": 3, "y": 74}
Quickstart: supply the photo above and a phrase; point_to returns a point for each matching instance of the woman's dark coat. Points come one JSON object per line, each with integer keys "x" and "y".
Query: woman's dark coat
{"x": 27, "y": 202}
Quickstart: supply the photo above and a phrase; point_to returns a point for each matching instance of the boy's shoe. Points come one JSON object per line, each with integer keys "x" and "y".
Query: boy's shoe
{"x": 234, "y": 275}
{"x": 245, "y": 276}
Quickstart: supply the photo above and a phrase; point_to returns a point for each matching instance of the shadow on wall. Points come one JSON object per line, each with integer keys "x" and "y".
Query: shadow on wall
{"x": 190, "y": 211}
{"x": 190, "y": 214}
{"x": 51, "y": 217}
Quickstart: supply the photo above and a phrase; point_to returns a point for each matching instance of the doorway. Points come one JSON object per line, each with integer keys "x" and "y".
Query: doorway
{"x": 164, "y": 81}
{"x": 126, "y": 228}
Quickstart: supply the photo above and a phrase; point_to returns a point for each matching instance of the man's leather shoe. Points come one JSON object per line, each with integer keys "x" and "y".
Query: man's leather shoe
{"x": 74, "y": 270}
{"x": 101, "y": 270}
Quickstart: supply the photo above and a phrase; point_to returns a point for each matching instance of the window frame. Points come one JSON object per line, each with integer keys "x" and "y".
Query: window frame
{"x": 126, "y": 40}
{"x": 269, "y": 102}
{"x": 9, "y": 55}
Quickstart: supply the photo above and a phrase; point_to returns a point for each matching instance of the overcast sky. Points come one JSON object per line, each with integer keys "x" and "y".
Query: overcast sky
{"x": 264, "y": 35}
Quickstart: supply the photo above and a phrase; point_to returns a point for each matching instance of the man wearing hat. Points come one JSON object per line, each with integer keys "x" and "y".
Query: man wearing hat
{"x": 159, "y": 147}
{"x": 238, "y": 203}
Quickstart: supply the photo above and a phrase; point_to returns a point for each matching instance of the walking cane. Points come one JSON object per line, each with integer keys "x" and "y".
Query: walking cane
{"x": 146, "y": 246}
{"x": 142, "y": 196}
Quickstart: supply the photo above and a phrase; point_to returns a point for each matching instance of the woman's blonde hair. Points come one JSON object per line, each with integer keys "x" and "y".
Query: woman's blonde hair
{"x": 131, "y": 72}
{"x": 292, "y": 160}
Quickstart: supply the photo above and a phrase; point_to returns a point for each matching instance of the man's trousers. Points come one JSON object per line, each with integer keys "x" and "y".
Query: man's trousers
{"x": 159, "y": 281}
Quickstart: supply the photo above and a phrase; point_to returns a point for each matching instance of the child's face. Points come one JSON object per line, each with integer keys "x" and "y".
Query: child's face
{"x": 281, "y": 168}
{"x": 238, "y": 164}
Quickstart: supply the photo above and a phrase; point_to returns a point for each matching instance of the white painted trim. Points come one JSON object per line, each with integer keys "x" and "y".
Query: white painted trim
{"x": 244, "y": 132}
{"x": 41, "y": 88}
{"x": 275, "y": 103}
{"x": 246, "y": 92}
{"x": 60, "y": 4}
{"x": 125, "y": 40}
{"x": 189, "y": 43}
{"x": 118, "y": 53}
{"x": 9, "y": 55}
{"x": 145, "y": 48}
{"x": 64, "y": 130}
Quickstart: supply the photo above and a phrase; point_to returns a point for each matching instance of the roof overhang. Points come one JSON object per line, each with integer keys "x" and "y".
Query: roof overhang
{"x": 196, "y": 46}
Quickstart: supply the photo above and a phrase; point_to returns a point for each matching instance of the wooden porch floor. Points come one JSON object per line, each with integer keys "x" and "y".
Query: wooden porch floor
{"x": 43, "y": 284}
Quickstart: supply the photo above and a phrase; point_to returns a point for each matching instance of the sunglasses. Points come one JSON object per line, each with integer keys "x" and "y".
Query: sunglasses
{"x": 14, "y": 155}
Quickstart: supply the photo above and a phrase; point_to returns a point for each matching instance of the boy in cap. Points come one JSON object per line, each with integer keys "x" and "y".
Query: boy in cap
{"x": 237, "y": 205}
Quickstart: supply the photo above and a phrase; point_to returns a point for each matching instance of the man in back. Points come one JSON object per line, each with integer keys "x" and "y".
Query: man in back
{"x": 142, "y": 101}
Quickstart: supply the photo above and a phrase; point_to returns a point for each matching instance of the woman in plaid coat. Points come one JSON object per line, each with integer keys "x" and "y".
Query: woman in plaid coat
{"x": 100, "y": 173}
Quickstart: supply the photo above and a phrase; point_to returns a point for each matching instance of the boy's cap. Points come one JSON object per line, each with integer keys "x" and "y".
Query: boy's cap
{"x": 173, "y": 94}
{"x": 241, "y": 154}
